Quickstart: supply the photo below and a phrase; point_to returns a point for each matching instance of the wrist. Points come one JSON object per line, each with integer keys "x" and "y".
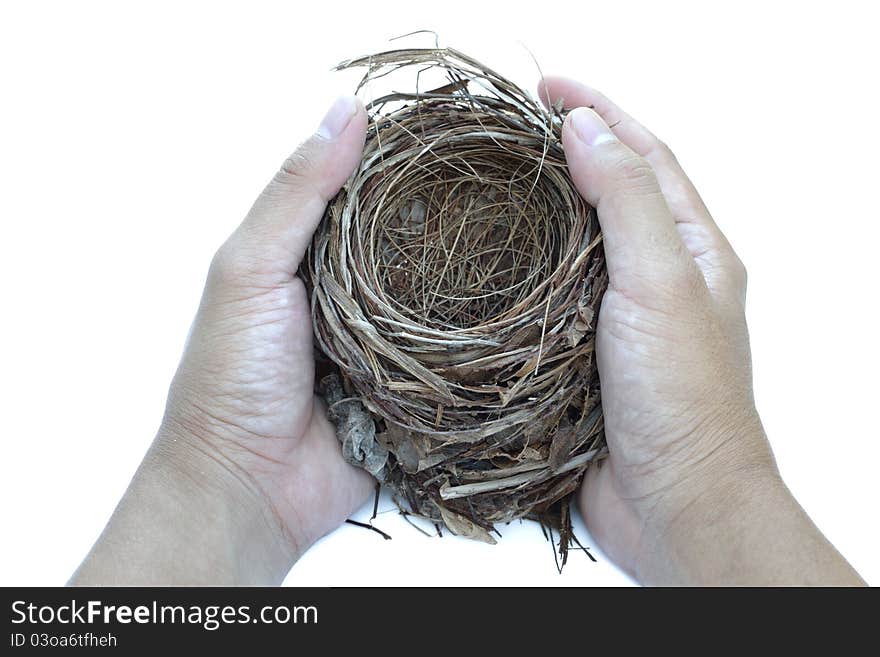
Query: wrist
{"x": 694, "y": 536}
{"x": 240, "y": 533}
{"x": 189, "y": 517}
{"x": 694, "y": 530}
{"x": 731, "y": 520}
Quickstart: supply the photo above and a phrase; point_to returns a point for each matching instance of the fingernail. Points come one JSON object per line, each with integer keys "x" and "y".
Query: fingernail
{"x": 589, "y": 127}
{"x": 338, "y": 117}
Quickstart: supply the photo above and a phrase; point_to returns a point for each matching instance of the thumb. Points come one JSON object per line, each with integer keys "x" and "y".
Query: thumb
{"x": 644, "y": 250}
{"x": 271, "y": 241}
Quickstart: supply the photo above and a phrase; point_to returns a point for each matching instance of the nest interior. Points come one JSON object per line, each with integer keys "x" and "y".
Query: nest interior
{"x": 455, "y": 283}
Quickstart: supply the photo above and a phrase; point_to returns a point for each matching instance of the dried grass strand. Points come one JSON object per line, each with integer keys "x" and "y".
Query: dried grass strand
{"x": 455, "y": 281}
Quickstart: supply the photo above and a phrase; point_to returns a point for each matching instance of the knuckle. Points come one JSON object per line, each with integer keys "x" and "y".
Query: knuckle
{"x": 296, "y": 179}
{"x": 222, "y": 264}
{"x": 740, "y": 272}
{"x": 633, "y": 172}
{"x": 230, "y": 264}
{"x": 685, "y": 279}
{"x": 666, "y": 153}
{"x": 297, "y": 168}
{"x": 734, "y": 266}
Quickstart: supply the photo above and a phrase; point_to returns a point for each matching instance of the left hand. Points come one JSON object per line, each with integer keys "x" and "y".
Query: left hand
{"x": 244, "y": 440}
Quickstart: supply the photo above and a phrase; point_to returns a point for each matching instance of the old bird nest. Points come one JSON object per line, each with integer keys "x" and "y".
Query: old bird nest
{"x": 455, "y": 283}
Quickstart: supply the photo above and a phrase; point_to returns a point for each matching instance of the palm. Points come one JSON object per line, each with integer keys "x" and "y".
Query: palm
{"x": 256, "y": 368}
{"x": 653, "y": 410}
{"x": 638, "y": 350}
{"x": 648, "y": 408}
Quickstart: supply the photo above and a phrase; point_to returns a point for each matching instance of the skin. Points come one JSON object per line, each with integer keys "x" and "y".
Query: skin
{"x": 690, "y": 493}
{"x": 245, "y": 472}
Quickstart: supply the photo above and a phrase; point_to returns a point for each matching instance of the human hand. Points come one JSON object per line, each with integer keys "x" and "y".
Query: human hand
{"x": 690, "y": 492}
{"x": 244, "y": 442}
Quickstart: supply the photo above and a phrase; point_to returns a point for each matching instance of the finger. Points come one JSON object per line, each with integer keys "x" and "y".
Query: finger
{"x": 684, "y": 201}
{"x": 700, "y": 234}
{"x": 646, "y": 256}
{"x": 272, "y": 239}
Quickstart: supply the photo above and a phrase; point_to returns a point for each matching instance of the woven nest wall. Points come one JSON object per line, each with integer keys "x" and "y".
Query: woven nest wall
{"x": 455, "y": 283}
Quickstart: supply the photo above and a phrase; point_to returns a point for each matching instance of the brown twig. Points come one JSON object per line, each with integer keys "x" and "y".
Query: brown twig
{"x": 455, "y": 281}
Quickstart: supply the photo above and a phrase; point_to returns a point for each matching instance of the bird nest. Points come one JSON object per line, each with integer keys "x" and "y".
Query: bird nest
{"x": 455, "y": 283}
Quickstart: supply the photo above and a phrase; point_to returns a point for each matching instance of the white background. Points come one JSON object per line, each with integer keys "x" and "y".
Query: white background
{"x": 133, "y": 138}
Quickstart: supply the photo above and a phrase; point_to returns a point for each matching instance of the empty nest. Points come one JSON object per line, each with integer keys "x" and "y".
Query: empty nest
{"x": 455, "y": 283}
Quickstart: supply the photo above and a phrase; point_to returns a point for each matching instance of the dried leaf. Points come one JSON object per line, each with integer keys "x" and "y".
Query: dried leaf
{"x": 461, "y": 526}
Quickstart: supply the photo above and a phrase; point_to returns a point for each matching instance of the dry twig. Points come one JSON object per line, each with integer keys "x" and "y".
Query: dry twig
{"x": 455, "y": 283}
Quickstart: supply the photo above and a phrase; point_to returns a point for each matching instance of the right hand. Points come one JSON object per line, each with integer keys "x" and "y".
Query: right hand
{"x": 685, "y": 441}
